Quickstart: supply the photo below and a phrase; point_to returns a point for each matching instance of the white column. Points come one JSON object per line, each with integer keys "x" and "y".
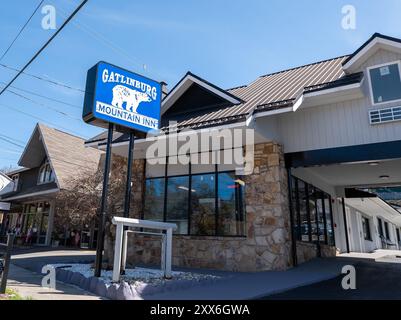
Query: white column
{"x": 117, "y": 252}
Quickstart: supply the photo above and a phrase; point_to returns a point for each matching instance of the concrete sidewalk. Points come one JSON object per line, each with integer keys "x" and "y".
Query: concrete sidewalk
{"x": 246, "y": 286}
{"x": 28, "y": 285}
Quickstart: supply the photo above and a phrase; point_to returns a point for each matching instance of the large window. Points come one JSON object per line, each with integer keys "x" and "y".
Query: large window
{"x": 385, "y": 83}
{"x": 45, "y": 173}
{"x": 154, "y": 199}
{"x": 312, "y": 213}
{"x": 201, "y": 203}
{"x": 177, "y": 204}
{"x": 230, "y": 205}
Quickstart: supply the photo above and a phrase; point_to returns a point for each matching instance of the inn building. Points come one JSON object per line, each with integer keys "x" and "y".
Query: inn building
{"x": 326, "y": 136}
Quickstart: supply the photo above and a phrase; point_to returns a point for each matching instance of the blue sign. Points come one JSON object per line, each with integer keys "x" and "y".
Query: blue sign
{"x": 122, "y": 97}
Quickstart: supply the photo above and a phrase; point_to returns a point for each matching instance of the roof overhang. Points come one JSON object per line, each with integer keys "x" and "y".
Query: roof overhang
{"x": 376, "y": 42}
{"x": 375, "y": 206}
{"x": 333, "y": 95}
{"x": 186, "y": 82}
{"x": 33, "y": 194}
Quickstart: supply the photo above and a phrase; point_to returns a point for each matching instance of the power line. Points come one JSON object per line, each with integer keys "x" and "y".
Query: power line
{"x": 44, "y": 105}
{"x": 10, "y": 142}
{"x": 14, "y": 139}
{"x": 44, "y": 97}
{"x": 45, "y": 45}
{"x": 42, "y": 120}
{"x": 60, "y": 84}
{"x": 22, "y": 29}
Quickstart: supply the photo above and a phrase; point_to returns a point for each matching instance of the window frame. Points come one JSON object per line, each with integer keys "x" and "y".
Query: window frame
{"x": 369, "y": 230}
{"x": 215, "y": 172}
{"x": 15, "y": 180}
{"x": 47, "y": 174}
{"x": 309, "y": 212}
{"x": 372, "y": 99}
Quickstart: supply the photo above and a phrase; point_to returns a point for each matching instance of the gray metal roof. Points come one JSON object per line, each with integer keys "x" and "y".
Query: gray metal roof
{"x": 274, "y": 90}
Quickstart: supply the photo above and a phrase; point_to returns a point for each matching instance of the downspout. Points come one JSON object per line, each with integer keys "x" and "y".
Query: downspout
{"x": 345, "y": 225}
{"x": 293, "y": 239}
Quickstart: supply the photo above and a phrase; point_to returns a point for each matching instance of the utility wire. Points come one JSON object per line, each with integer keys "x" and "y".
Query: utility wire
{"x": 44, "y": 46}
{"x": 14, "y": 139}
{"x": 10, "y": 142}
{"x": 44, "y": 105}
{"x": 43, "y": 96}
{"x": 82, "y": 164}
{"x": 22, "y": 29}
{"x": 42, "y": 120}
{"x": 60, "y": 84}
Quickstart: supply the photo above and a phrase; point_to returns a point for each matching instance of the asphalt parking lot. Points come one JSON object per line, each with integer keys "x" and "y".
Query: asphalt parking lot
{"x": 374, "y": 280}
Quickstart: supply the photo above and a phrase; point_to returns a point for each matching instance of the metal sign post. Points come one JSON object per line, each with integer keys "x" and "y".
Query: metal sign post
{"x": 132, "y": 102}
{"x": 7, "y": 258}
{"x": 103, "y": 205}
{"x": 128, "y": 185}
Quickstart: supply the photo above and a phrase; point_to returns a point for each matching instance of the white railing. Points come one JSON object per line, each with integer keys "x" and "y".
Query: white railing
{"x": 120, "y": 247}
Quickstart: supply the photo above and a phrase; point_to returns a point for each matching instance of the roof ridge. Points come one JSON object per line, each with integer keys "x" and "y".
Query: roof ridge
{"x": 70, "y": 134}
{"x": 303, "y": 66}
{"x": 237, "y": 87}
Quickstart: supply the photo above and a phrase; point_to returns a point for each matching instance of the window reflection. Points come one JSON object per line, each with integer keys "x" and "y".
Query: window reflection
{"x": 154, "y": 199}
{"x": 203, "y": 204}
{"x": 231, "y": 218}
{"x": 177, "y": 204}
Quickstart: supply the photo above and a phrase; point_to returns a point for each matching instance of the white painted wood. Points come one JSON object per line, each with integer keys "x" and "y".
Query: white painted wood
{"x": 338, "y": 124}
{"x": 117, "y": 252}
{"x": 120, "y": 249}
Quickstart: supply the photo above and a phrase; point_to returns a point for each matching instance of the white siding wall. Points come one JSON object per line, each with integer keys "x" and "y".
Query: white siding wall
{"x": 338, "y": 124}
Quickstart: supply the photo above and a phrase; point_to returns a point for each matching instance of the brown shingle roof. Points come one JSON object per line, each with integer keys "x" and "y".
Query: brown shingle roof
{"x": 68, "y": 155}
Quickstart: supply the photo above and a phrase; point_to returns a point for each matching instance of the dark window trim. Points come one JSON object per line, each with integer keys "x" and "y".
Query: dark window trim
{"x": 216, "y": 173}
{"x": 322, "y": 196}
{"x": 369, "y": 232}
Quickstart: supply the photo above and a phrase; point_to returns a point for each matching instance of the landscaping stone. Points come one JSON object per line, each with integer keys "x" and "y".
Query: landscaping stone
{"x": 126, "y": 292}
{"x": 112, "y": 291}
{"x": 101, "y": 289}
{"x": 93, "y": 284}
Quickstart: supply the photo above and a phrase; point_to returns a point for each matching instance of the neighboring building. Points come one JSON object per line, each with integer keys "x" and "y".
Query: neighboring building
{"x": 50, "y": 161}
{"x": 5, "y": 183}
{"x": 323, "y": 132}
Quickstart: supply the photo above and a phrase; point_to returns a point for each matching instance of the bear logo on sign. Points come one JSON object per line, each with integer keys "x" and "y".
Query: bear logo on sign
{"x": 131, "y": 98}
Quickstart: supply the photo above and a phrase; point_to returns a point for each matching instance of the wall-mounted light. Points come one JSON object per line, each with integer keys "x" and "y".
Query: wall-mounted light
{"x": 373, "y": 164}
{"x": 384, "y": 177}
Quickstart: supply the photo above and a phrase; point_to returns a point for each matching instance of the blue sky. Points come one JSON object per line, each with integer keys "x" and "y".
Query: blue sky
{"x": 227, "y": 42}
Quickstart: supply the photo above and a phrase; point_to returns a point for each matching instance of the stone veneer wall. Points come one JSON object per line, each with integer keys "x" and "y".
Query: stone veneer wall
{"x": 267, "y": 245}
{"x": 307, "y": 251}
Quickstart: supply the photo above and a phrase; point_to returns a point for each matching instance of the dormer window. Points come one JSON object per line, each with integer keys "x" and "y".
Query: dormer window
{"x": 15, "y": 179}
{"x": 46, "y": 174}
{"x": 385, "y": 83}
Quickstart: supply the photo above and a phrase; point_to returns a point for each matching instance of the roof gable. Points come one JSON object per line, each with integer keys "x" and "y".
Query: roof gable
{"x": 187, "y": 82}
{"x": 66, "y": 154}
{"x": 376, "y": 42}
